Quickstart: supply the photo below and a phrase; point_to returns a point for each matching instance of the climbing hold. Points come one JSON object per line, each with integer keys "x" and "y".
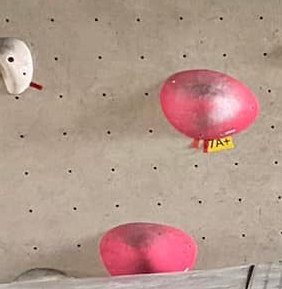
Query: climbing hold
{"x": 16, "y": 65}
{"x": 139, "y": 248}
{"x": 206, "y": 104}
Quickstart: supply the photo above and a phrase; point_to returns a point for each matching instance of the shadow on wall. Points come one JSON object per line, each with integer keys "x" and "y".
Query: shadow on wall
{"x": 275, "y": 56}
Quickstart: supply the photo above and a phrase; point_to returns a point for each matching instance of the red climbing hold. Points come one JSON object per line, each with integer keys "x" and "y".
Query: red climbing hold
{"x": 140, "y": 248}
{"x": 206, "y": 104}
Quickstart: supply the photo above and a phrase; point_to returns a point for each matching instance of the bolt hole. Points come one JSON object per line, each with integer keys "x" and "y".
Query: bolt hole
{"x": 272, "y": 127}
{"x": 65, "y": 133}
{"x": 200, "y": 202}
{"x": 117, "y": 205}
{"x": 30, "y": 210}
{"x": 261, "y": 17}
{"x": 78, "y": 245}
{"x": 74, "y": 208}
{"x": 269, "y": 90}
{"x": 243, "y": 235}
{"x": 224, "y": 54}
{"x": 146, "y": 93}
{"x": 60, "y": 96}
{"x": 236, "y": 164}
{"x": 276, "y": 162}
{"x": 100, "y": 57}
{"x": 240, "y": 200}
{"x": 108, "y": 132}
{"x": 203, "y": 238}
{"x": 220, "y": 18}
{"x": 279, "y": 197}
{"x": 142, "y": 57}
{"x": 155, "y": 168}
{"x": 56, "y": 58}
{"x": 24, "y": 73}
{"x": 159, "y": 204}
{"x": 104, "y": 94}
{"x": 196, "y": 166}
{"x": 180, "y": 18}
{"x": 138, "y": 19}
{"x": 17, "y": 97}
{"x": 69, "y": 171}
{"x": 113, "y": 170}
{"x": 96, "y": 19}
{"x": 26, "y": 173}
{"x": 35, "y": 248}
{"x": 184, "y": 55}
{"x": 21, "y": 136}
{"x": 264, "y": 54}
{"x": 11, "y": 59}
{"x": 7, "y": 20}
{"x": 52, "y": 19}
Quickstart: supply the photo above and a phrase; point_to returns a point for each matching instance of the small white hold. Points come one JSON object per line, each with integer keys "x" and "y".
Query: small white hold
{"x": 16, "y": 65}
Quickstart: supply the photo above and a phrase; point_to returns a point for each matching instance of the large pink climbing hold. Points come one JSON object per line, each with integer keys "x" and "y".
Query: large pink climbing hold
{"x": 206, "y": 104}
{"x": 140, "y": 248}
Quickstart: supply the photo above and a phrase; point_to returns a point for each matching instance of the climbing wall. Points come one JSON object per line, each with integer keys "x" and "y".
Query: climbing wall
{"x": 93, "y": 149}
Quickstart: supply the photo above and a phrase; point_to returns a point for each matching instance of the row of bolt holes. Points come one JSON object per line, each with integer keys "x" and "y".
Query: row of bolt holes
{"x": 142, "y": 57}
{"x": 154, "y": 168}
{"x": 108, "y": 132}
{"x": 146, "y": 94}
{"x": 103, "y": 94}
{"x": 35, "y": 248}
{"x": 181, "y": 18}
{"x": 159, "y": 204}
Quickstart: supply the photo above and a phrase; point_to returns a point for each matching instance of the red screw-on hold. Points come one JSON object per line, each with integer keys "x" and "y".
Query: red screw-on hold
{"x": 206, "y": 104}
{"x": 140, "y": 248}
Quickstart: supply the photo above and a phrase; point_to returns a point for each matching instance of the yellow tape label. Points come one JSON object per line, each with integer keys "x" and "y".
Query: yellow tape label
{"x": 216, "y": 145}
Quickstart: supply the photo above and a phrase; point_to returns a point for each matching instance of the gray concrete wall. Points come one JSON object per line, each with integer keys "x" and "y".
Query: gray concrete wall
{"x": 86, "y": 97}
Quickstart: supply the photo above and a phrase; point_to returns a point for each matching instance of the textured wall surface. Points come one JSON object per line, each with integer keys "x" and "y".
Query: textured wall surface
{"x": 93, "y": 149}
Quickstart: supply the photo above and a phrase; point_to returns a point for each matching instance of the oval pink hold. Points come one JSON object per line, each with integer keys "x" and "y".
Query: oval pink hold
{"x": 140, "y": 248}
{"x": 206, "y": 104}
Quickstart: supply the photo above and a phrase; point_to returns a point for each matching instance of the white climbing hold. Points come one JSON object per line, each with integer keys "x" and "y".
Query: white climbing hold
{"x": 16, "y": 65}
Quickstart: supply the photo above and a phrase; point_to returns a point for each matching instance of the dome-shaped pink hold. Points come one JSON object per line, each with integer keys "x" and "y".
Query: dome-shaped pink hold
{"x": 140, "y": 248}
{"x": 206, "y": 104}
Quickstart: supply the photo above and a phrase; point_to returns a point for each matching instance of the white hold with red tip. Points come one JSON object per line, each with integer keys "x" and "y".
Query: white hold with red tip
{"x": 16, "y": 65}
